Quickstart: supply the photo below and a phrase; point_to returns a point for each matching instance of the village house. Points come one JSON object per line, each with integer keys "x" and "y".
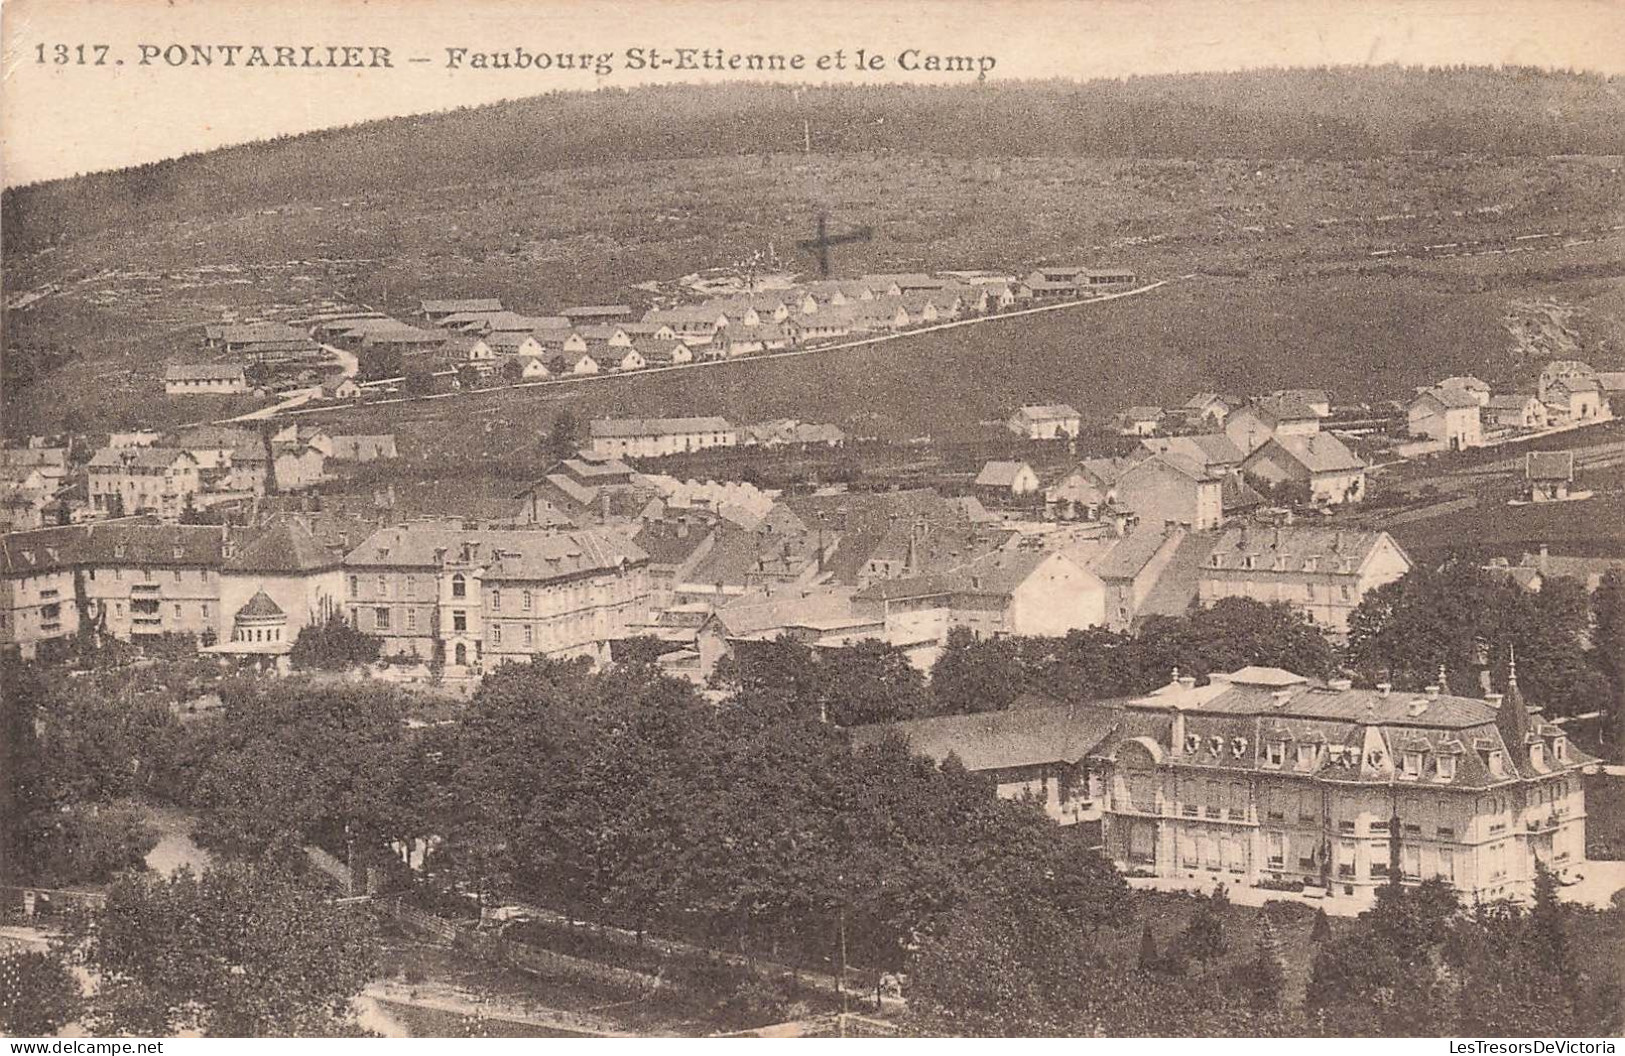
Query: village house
{"x": 1046, "y": 422}
{"x": 664, "y": 353}
{"x": 343, "y": 389}
{"x": 790, "y": 432}
{"x": 527, "y": 368}
{"x": 610, "y": 334}
{"x": 503, "y": 343}
{"x": 1039, "y": 753}
{"x": 204, "y": 379}
{"x": 1516, "y": 412}
{"x": 1139, "y": 421}
{"x": 1263, "y": 776}
{"x": 1318, "y": 467}
{"x": 589, "y": 489}
{"x": 1449, "y": 416}
{"x": 1130, "y": 568}
{"x": 624, "y": 359}
{"x": 1168, "y": 488}
{"x": 568, "y": 362}
{"x": 298, "y": 464}
{"x": 1002, "y": 483}
{"x": 1477, "y": 388}
{"x": 470, "y": 597}
{"x": 1252, "y": 426}
{"x": 1548, "y": 475}
{"x": 1315, "y": 399}
{"x": 656, "y": 437}
{"x": 1006, "y": 592}
{"x": 1081, "y": 494}
{"x": 50, "y": 462}
{"x": 1207, "y": 410}
{"x": 676, "y": 543}
{"x": 561, "y": 340}
{"x": 142, "y": 479}
{"x": 1562, "y": 370}
{"x": 1612, "y": 385}
{"x": 1213, "y": 452}
{"x": 1573, "y": 400}
{"x": 1321, "y": 573}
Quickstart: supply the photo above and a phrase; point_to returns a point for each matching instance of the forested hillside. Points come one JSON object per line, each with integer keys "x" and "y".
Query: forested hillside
{"x": 1342, "y": 113}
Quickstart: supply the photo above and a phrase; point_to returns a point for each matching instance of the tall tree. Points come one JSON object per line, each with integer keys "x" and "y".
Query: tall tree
{"x": 238, "y": 952}
{"x": 974, "y": 674}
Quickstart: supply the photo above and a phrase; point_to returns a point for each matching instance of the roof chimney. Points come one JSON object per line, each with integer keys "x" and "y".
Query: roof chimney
{"x": 1384, "y": 688}
{"x": 1280, "y": 697}
{"x": 1187, "y": 682}
{"x": 1493, "y": 699}
{"x": 1433, "y": 692}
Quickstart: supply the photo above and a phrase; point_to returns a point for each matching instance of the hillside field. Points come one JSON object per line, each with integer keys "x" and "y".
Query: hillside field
{"x": 1352, "y": 248}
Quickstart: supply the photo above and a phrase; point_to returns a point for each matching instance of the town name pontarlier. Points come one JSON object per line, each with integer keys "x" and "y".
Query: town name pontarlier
{"x": 269, "y": 56}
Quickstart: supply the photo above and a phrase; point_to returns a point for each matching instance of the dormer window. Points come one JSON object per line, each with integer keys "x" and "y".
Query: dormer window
{"x": 1560, "y": 749}
{"x": 1275, "y": 753}
{"x": 459, "y": 586}
{"x": 1248, "y": 561}
{"x": 1498, "y": 763}
{"x": 1537, "y": 754}
{"x": 1306, "y": 756}
{"x": 1447, "y": 768}
{"x": 1411, "y": 765}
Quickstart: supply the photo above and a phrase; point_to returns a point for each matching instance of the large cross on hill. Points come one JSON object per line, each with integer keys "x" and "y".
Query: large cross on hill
{"x": 820, "y": 245}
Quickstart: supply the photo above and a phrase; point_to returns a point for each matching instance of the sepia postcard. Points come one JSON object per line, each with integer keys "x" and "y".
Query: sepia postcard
{"x": 910, "y": 519}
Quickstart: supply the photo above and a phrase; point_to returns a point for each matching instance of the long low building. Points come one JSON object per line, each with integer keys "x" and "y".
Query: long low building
{"x": 656, "y": 437}
{"x": 1266, "y": 777}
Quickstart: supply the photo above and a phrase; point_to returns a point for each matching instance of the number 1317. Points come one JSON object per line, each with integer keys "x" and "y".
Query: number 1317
{"x": 76, "y": 55}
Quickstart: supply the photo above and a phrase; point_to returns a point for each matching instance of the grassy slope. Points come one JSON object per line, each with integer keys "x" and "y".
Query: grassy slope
{"x": 389, "y": 213}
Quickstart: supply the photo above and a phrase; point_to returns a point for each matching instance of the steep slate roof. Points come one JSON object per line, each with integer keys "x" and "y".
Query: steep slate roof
{"x": 1000, "y": 474}
{"x": 1128, "y": 558}
{"x": 138, "y": 457}
{"x": 1294, "y": 545}
{"x": 1206, "y": 450}
{"x": 507, "y": 554}
{"x": 283, "y": 547}
{"x": 1176, "y": 585}
{"x": 1455, "y": 399}
{"x": 127, "y": 543}
{"x": 1318, "y": 452}
{"x": 260, "y": 605}
{"x": 755, "y": 614}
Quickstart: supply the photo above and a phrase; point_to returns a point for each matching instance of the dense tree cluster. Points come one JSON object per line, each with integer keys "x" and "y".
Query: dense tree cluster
{"x": 333, "y": 645}
{"x": 749, "y": 825}
{"x": 242, "y": 951}
{"x": 1462, "y": 619}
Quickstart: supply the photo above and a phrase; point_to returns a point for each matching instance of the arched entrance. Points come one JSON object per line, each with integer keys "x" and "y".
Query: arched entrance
{"x": 461, "y": 655}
